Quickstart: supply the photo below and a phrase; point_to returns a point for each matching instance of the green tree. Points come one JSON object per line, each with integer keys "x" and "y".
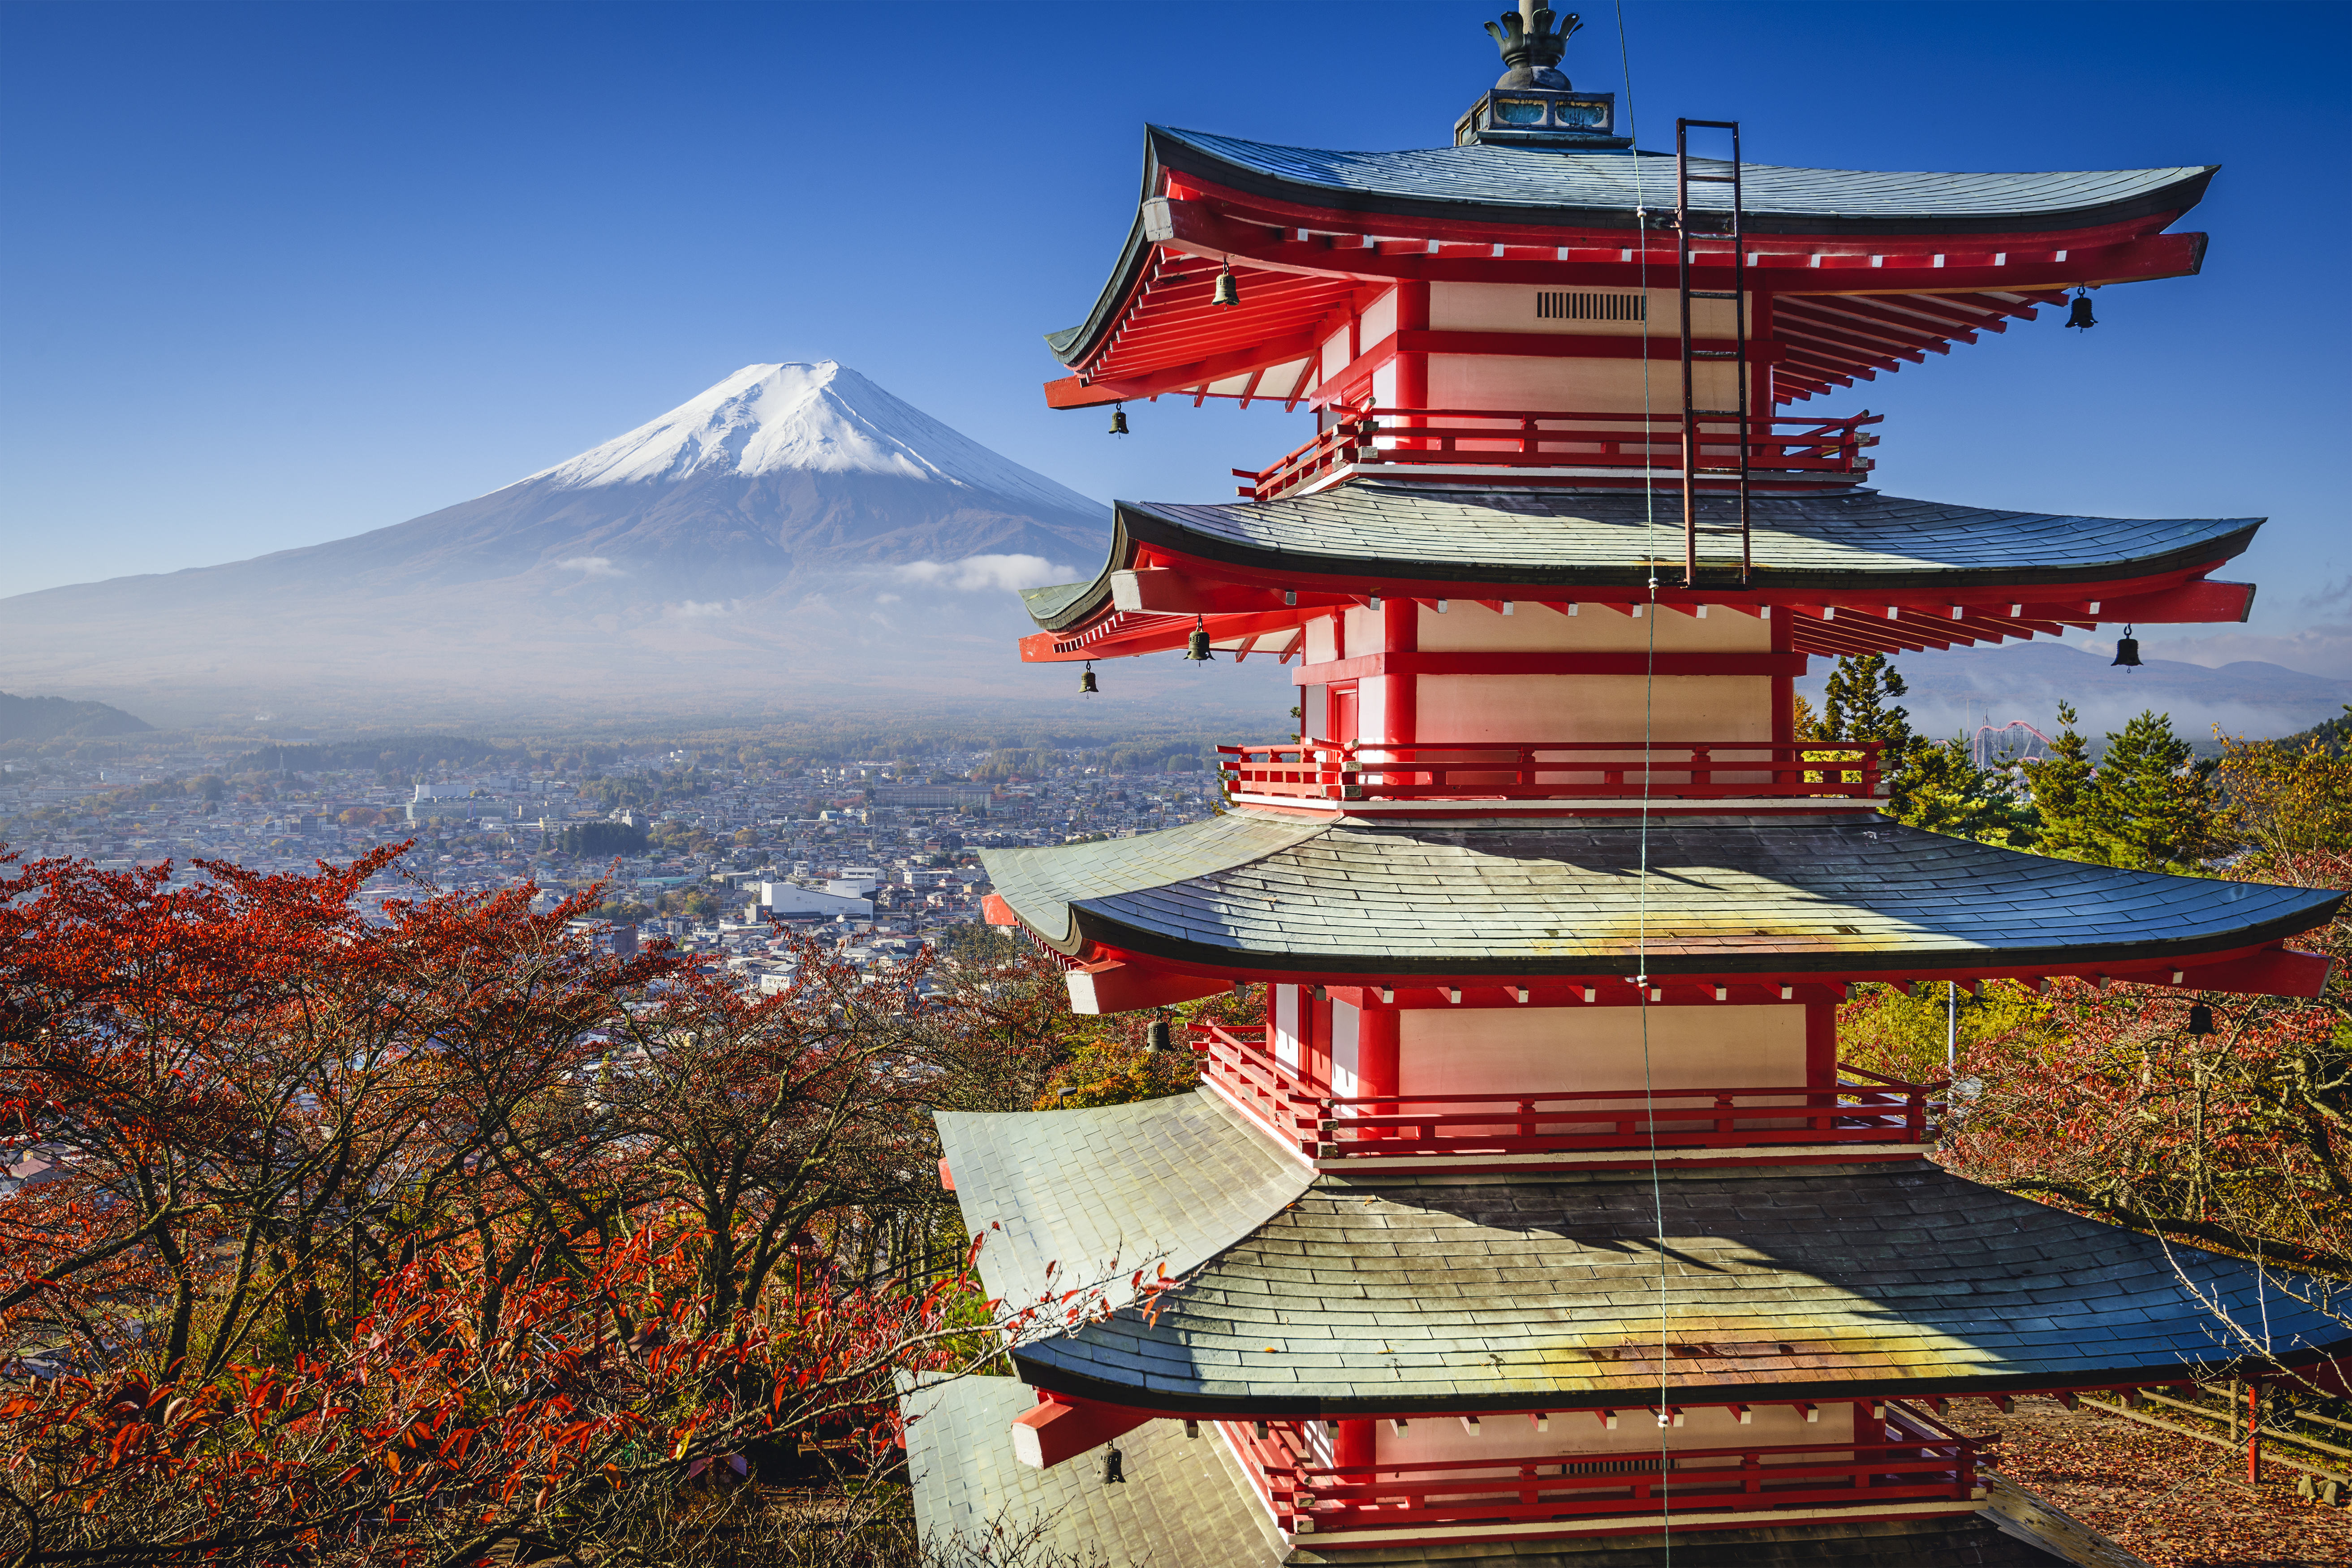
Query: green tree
{"x": 2060, "y": 784}
{"x": 2152, "y": 807}
{"x": 1858, "y": 705}
{"x": 1941, "y": 788}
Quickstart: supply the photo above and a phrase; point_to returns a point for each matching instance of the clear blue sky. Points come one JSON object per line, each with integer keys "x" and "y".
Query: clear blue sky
{"x": 275, "y": 274}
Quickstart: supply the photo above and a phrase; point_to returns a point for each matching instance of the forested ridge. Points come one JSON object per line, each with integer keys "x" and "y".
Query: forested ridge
{"x": 448, "y": 1238}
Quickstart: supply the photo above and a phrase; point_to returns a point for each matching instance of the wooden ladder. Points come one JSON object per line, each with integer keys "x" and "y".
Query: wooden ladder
{"x": 1693, "y": 417}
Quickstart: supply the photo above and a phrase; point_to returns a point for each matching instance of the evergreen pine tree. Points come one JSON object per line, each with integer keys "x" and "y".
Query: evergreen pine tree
{"x": 2060, "y": 784}
{"x": 2151, "y": 807}
{"x": 1858, "y": 706}
{"x": 1942, "y": 790}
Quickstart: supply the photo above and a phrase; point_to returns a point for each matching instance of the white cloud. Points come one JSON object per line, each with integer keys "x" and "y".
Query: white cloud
{"x": 1000, "y": 573}
{"x": 695, "y": 608}
{"x": 885, "y": 598}
{"x": 590, "y": 566}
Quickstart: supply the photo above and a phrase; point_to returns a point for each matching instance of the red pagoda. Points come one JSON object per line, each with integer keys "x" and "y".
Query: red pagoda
{"x": 1539, "y": 1218}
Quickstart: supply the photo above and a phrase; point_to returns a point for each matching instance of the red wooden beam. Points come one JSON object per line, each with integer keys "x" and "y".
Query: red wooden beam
{"x": 1071, "y": 393}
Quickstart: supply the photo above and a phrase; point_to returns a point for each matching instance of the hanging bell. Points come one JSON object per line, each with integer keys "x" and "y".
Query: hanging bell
{"x": 2126, "y": 650}
{"x": 1155, "y": 1035}
{"x": 1119, "y": 419}
{"x": 1114, "y": 1468}
{"x": 1087, "y": 687}
{"x": 2079, "y": 313}
{"x": 1196, "y": 647}
{"x": 2201, "y": 1019}
{"x": 1226, "y": 293}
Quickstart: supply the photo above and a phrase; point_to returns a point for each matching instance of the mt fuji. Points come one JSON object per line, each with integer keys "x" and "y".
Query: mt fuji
{"x": 794, "y": 530}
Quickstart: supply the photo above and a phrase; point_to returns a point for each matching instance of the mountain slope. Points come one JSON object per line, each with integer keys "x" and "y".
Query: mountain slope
{"x": 794, "y": 525}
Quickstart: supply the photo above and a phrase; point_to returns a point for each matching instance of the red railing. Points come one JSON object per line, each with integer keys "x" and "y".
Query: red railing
{"x": 1914, "y": 1458}
{"x": 1544, "y": 769}
{"x": 1862, "y": 1108}
{"x": 1537, "y": 439}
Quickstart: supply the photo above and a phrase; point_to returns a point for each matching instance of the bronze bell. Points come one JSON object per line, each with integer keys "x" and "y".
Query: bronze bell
{"x": 1119, "y": 419}
{"x": 1114, "y": 1468}
{"x": 1196, "y": 647}
{"x": 2079, "y": 313}
{"x": 1226, "y": 293}
{"x": 1087, "y": 687}
{"x": 2126, "y": 650}
{"x": 1155, "y": 1035}
{"x": 2201, "y": 1019}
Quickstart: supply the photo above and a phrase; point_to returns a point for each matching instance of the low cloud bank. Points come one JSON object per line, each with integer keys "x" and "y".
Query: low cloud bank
{"x": 975, "y": 573}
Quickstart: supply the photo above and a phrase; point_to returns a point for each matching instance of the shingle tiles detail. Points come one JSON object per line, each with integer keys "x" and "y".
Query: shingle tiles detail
{"x": 1787, "y": 1282}
{"x": 1723, "y": 895}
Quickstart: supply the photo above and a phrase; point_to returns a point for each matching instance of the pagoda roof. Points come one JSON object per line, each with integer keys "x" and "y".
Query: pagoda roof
{"x": 1307, "y": 226}
{"x": 1189, "y": 1505}
{"x": 1603, "y": 188}
{"x": 1370, "y": 1296}
{"x": 1855, "y": 894}
{"x": 1368, "y": 533}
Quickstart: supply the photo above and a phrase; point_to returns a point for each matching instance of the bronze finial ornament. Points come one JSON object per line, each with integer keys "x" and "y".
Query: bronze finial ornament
{"x": 1530, "y": 47}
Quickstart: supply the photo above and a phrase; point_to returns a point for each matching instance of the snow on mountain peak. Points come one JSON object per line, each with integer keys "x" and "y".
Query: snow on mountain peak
{"x": 824, "y": 418}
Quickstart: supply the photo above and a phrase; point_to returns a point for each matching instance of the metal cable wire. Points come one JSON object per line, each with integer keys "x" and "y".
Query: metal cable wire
{"x": 1642, "y": 880}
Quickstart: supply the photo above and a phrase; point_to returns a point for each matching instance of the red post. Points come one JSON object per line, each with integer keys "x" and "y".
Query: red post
{"x": 1356, "y": 1444}
{"x": 2253, "y": 1431}
{"x": 1412, "y": 368}
{"x": 1377, "y": 1041}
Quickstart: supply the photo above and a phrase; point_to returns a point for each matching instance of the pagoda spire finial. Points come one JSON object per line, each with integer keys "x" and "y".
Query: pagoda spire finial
{"x": 1531, "y": 49}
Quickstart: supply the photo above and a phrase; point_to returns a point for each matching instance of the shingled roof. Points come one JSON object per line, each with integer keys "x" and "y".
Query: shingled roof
{"x": 1603, "y": 188}
{"x": 1363, "y": 1295}
{"x": 1186, "y": 1504}
{"x": 1368, "y": 531}
{"x": 1848, "y": 894}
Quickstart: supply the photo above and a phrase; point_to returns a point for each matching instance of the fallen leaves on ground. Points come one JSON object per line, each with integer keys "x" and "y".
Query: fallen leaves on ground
{"x": 2171, "y": 1500}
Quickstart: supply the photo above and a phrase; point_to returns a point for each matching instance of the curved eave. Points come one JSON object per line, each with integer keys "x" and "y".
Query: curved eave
{"x": 1138, "y": 527}
{"x": 1395, "y": 1296}
{"x": 1253, "y": 895}
{"x": 2165, "y": 194}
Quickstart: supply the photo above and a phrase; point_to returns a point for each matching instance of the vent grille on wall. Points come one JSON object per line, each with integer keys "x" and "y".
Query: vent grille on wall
{"x": 1556, "y": 306}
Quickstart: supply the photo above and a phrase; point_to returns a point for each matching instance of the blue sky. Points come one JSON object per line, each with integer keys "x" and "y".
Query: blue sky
{"x": 275, "y": 274}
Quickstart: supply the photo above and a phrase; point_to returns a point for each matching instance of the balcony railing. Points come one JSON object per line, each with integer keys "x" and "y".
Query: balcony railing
{"x": 1861, "y": 1108}
{"x": 1547, "y": 769}
{"x": 1914, "y": 1458}
{"x": 1538, "y": 441}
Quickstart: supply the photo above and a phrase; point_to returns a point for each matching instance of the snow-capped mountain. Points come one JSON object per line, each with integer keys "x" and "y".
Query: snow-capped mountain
{"x": 792, "y": 528}
{"x": 820, "y": 417}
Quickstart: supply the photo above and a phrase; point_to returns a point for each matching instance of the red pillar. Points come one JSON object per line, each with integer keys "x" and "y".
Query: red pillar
{"x": 1820, "y": 1045}
{"x": 1412, "y": 368}
{"x": 1377, "y": 1036}
{"x": 1400, "y": 695}
{"x": 2253, "y": 1431}
{"x": 1357, "y": 1444}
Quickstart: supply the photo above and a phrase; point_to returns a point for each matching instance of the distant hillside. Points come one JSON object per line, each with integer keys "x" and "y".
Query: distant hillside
{"x": 2333, "y": 733}
{"x": 1962, "y": 689}
{"x": 56, "y": 718}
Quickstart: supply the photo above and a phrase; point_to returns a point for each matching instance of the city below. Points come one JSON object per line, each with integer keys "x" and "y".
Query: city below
{"x": 713, "y": 856}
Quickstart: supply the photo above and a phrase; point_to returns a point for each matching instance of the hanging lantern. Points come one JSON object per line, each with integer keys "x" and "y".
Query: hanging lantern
{"x": 2126, "y": 650}
{"x": 1087, "y": 687}
{"x": 2201, "y": 1019}
{"x": 1226, "y": 293}
{"x": 1119, "y": 419}
{"x": 2079, "y": 313}
{"x": 1196, "y": 647}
